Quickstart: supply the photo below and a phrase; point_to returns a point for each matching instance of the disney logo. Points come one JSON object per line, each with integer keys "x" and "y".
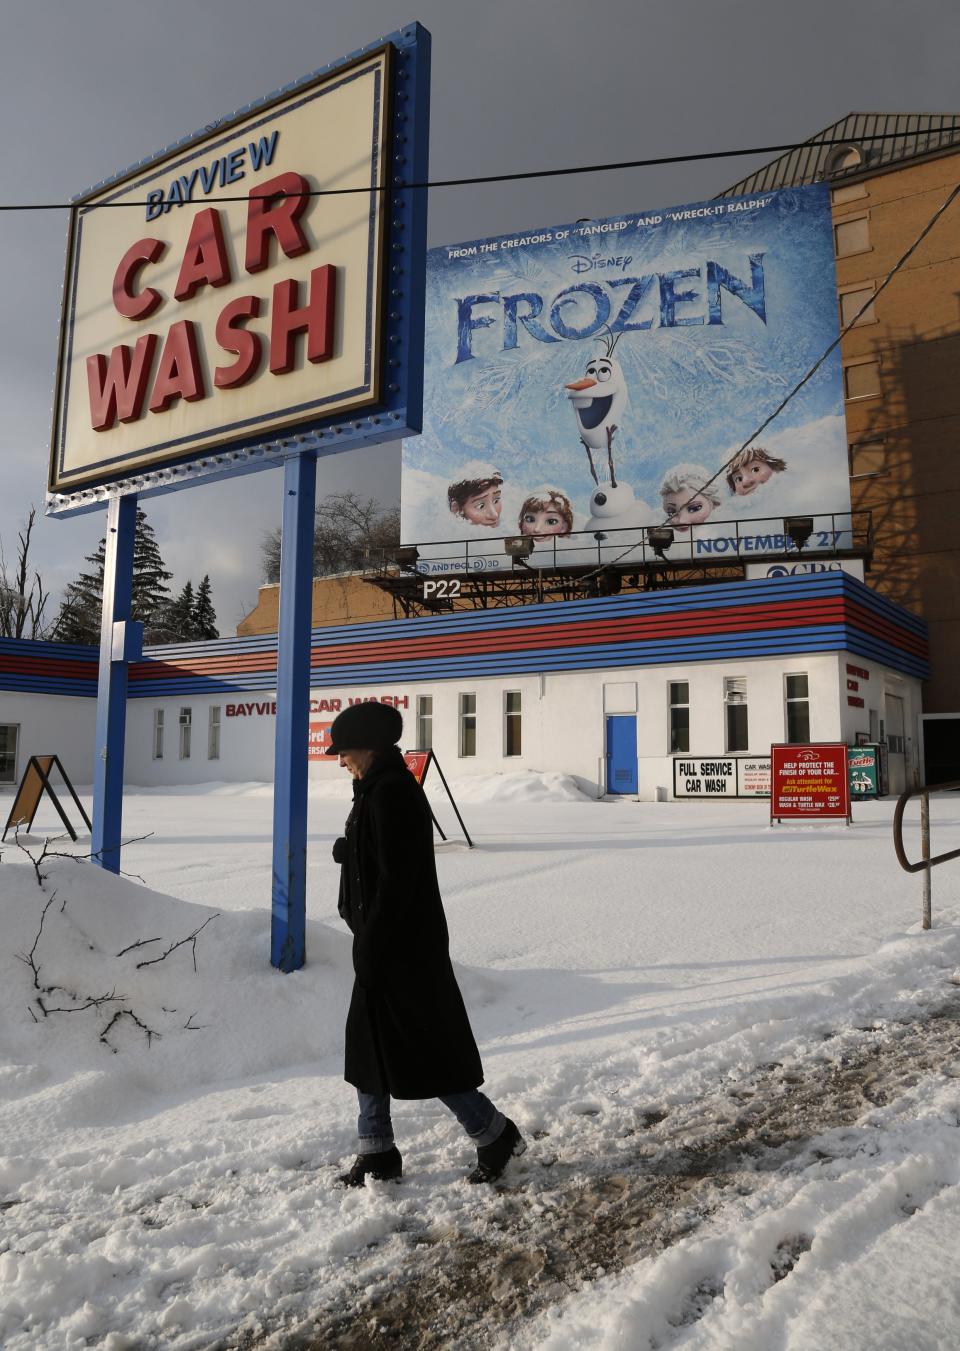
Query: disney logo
{"x": 584, "y": 262}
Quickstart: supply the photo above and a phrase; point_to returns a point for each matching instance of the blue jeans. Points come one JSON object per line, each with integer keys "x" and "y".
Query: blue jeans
{"x": 473, "y": 1109}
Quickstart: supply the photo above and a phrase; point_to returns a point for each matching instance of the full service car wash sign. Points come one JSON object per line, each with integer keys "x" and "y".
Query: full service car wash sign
{"x": 809, "y": 782}
{"x": 210, "y": 300}
{"x": 721, "y": 776}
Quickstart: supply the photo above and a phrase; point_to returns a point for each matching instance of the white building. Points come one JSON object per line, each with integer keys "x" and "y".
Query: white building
{"x": 611, "y": 691}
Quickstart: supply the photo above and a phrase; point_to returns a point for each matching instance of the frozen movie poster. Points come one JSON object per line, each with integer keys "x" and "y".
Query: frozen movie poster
{"x": 588, "y": 380}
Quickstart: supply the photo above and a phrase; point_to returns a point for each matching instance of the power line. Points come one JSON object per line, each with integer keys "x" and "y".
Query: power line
{"x": 955, "y": 192}
{"x": 400, "y": 186}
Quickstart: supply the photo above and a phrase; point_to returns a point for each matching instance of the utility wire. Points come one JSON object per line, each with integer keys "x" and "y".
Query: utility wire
{"x": 810, "y": 373}
{"x": 400, "y": 186}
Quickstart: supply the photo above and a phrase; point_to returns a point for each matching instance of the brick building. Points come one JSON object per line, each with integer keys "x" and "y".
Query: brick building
{"x": 889, "y": 175}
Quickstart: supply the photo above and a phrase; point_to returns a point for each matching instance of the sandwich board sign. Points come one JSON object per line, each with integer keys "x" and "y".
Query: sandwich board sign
{"x": 250, "y": 296}
{"x": 809, "y": 782}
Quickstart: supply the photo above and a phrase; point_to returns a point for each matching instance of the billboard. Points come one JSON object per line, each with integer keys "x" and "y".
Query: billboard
{"x": 586, "y": 380}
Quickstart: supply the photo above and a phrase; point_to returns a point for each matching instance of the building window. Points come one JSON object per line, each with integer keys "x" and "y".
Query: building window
{"x": 511, "y": 722}
{"x": 424, "y": 722}
{"x": 868, "y": 459}
{"x": 862, "y": 381}
{"x": 9, "y": 735}
{"x": 186, "y": 720}
{"x": 797, "y": 692}
{"x": 848, "y": 194}
{"x": 735, "y": 702}
{"x": 213, "y": 733}
{"x": 679, "y": 716}
{"x": 851, "y": 302}
{"x": 468, "y": 724}
{"x": 852, "y": 236}
{"x": 158, "y": 734}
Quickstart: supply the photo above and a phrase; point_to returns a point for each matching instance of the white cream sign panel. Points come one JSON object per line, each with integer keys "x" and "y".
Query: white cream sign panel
{"x": 727, "y": 776}
{"x": 210, "y": 295}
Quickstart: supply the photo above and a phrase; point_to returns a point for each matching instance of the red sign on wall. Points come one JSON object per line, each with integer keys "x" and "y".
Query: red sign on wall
{"x": 809, "y": 782}
{"x": 319, "y": 740}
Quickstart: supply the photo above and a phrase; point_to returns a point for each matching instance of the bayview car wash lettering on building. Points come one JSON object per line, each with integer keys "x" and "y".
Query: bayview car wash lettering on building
{"x": 268, "y": 707}
{"x": 229, "y": 288}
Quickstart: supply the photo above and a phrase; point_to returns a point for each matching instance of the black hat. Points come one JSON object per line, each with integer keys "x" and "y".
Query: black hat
{"x": 365, "y": 727}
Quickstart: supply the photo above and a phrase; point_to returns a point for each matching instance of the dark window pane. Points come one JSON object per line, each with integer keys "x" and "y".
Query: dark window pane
{"x": 679, "y": 692}
{"x": 737, "y": 727}
{"x": 798, "y": 720}
{"x": 797, "y": 686}
{"x": 679, "y": 729}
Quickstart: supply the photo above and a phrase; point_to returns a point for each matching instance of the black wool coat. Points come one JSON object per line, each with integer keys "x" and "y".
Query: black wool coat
{"x": 407, "y": 1029}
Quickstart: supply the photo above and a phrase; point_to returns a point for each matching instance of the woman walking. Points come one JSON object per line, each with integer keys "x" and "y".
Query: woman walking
{"x": 408, "y": 1035}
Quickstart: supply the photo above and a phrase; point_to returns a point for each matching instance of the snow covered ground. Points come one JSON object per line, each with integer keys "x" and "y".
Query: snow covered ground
{"x": 733, "y": 1050}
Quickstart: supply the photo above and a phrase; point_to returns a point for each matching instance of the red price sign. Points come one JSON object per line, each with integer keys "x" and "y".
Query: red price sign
{"x": 809, "y": 782}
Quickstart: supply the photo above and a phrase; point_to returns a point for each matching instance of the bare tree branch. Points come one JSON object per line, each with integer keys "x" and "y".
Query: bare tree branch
{"x": 127, "y": 1013}
{"x": 190, "y": 938}
{"x": 30, "y": 958}
{"x": 140, "y": 943}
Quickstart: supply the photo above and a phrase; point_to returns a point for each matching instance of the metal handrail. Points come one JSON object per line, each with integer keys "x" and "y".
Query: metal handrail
{"x": 926, "y": 862}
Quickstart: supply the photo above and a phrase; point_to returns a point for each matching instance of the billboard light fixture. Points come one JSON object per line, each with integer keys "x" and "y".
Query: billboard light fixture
{"x": 798, "y": 529}
{"x": 405, "y": 556}
{"x": 660, "y": 537}
{"x": 518, "y": 547}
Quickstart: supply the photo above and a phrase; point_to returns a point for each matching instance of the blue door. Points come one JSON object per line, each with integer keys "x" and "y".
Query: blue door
{"x": 622, "y": 754}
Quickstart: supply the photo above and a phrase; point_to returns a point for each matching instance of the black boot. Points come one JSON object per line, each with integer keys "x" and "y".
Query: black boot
{"x": 492, "y": 1159}
{"x": 386, "y": 1166}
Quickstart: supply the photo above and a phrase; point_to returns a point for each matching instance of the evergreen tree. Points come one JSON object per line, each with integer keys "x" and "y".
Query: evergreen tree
{"x": 151, "y": 595}
{"x": 204, "y": 616}
{"x": 178, "y": 622}
{"x": 80, "y": 609}
{"x": 79, "y": 617}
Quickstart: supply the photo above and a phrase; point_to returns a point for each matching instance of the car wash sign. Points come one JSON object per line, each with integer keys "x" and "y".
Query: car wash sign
{"x": 230, "y": 291}
{"x": 809, "y": 782}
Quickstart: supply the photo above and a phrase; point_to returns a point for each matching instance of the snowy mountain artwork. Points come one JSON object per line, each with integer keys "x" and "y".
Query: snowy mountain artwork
{"x": 602, "y": 376}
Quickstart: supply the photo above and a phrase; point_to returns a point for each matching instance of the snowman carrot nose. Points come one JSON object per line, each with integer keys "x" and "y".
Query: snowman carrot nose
{"x": 582, "y": 384}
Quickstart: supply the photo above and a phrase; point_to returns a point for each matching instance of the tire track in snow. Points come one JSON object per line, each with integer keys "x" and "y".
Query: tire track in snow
{"x": 557, "y": 1224}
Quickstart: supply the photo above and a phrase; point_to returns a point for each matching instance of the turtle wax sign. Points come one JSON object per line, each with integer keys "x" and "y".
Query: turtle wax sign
{"x": 809, "y": 782}
{"x": 583, "y": 381}
{"x": 214, "y": 297}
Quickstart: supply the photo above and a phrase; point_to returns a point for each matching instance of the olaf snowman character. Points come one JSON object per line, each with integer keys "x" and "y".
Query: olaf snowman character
{"x": 598, "y": 402}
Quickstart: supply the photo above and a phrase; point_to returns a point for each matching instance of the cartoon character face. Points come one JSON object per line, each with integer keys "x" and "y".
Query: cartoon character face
{"x": 483, "y": 508}
{"x": 542, "y": 524}
{"x": 600, "y": 369}
{"x": 686, "y": 507}
{"x": 749, "y": 477}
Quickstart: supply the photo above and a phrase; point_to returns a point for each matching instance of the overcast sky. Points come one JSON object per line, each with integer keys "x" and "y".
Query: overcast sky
{"x": 88, "y": 88}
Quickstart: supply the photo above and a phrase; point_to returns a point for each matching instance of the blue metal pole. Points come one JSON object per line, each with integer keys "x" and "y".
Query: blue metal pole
{"x": 288, "y": 926}
{"x": 112, "y": 683}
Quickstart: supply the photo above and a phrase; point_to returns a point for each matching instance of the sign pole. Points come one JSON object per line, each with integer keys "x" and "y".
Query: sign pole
{"x": 112, "y": 682}
{"x": 288, "y": 922}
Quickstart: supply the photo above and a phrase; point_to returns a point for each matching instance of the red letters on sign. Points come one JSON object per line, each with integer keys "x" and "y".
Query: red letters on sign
{"x": 315, "y": 319}
{"x": 233, "y": 338}
{"x": 117, "y": 386}
{"x": 125, "y": 301}
{"x": 205, "y": 261}
{"x": 275, "y": 209}
{"x": 179, "y": 375}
